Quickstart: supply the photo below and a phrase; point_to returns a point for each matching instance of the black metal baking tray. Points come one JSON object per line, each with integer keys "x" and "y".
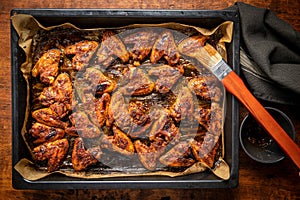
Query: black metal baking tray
{"x": 95, "y": 18}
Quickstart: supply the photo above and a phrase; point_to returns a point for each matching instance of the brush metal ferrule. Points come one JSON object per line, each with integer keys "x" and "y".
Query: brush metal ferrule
{"x": 221, "y": 69}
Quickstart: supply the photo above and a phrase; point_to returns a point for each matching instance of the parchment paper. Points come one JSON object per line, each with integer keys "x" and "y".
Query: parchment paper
{"x": 27, "y": 27}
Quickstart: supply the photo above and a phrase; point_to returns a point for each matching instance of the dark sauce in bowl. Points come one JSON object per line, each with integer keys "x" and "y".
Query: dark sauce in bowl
{"x": 257, "y": 136}
{"x": 258, "y": 144}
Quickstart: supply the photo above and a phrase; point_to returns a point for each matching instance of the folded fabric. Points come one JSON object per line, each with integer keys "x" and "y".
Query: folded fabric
{"x": 270, "y": 55}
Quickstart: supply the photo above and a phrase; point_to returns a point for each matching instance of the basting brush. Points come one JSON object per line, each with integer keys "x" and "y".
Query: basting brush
{"x": 198, "y": 48}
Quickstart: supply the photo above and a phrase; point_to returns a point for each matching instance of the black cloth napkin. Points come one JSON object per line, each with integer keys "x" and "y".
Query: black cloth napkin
{"x": 270, "y": 55}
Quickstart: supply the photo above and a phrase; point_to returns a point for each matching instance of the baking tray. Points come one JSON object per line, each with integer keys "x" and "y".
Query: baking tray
{"x": 95, "y": 18}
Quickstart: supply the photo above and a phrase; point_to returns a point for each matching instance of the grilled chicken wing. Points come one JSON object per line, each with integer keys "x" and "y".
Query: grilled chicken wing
{"x": 205, "y": 151}
{"x": 119, "y": 142}
{"x": 139, "y": 83}
{"x": 183, "y": 107}
{"x": 170, "y": 133}
{"x": 82, "y": 158}
{"x": 54, "y": 152}
{"x": 141, "y": 119}
{"x": 191, "y": 45}
{"x": 96, "y": 108}
{"x": 61, "y": 91}
{"x": 101, "y": 108}
{"x": 215, "y": 122}
{"x": 98, "y": 82}
{"x": 178, "y": 156}
{"x": 139, "y": 111}
{"x": 47, "y": 66}
{"x": 118, "y": 112}
{"x": 203, "y": 116}
{"x": 160, "y": 116}
{"x": 206, "y": 88}
{"x": 210, "y": 118}
{"x": 163, "y": 127}
{"x": 83, "y": 91}
{"x": 83, "y": 126}
{"x": 139, "y": 43}
{"x": 88, "y": 105}
{"x": 149, "y": 155}
{"x": 52, "y": 115}
{"x": 110, "y": 48}
{"x": 43, "y": 133}
{"x": 165, "y": 47}
{"x": 167, "y": 77}
{"x": 82, "y": 51}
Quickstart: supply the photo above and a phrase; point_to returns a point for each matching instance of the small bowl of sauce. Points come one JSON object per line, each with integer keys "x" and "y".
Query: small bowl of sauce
{"x": 258, "y": 144}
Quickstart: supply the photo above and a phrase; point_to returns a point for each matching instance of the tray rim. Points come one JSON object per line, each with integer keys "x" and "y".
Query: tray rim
{"x": 18, "y": 182}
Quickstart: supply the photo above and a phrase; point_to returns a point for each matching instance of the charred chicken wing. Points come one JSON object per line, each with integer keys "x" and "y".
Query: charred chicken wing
{"x": 139, "y": 111}
{"x": 83, "y": 126}
{"x": 160, "y": 117}
{"x": 205, "y": 151}
{"x": 165, "y": 47}
{"x": 140, "y": 43}
{"x": 61, "y": 91}
{"x": 205, "y": 87}
{"x": 210, "y": 118}
{"x": 166, "y": 75}
{"x": 101, "y": 108}
{"x": 141, "y": 119}
{"x": 138, "y": 83}
{"x": 54, "y": 152}
{"x": 183, "y": 107}
{"x": 149, "y": 155}
{"x": 202, "y": 114}
{"x": 215, "y": 122}
{"x": 95, "y": 108}
{"x": 163, "y": 127}
{"x": 52, "y": 115}
{"x": 118, "y": 112}
{"x": 43, "y": 133}
{"x": 82, "y": 158}
{"x": 82, "y": 51}
{"x": 110, "y": 48}
{"x": 191, "y": 45}
{"x": 98, "y": 82}
{"x": 47, "y": 66}
{"x": 178, "y": 156}
{"x": 119, "y": 142}
{"x": 170, "y": 133}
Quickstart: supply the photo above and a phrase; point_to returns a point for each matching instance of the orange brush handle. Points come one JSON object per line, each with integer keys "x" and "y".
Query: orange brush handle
{"x": 236, "y": 86}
